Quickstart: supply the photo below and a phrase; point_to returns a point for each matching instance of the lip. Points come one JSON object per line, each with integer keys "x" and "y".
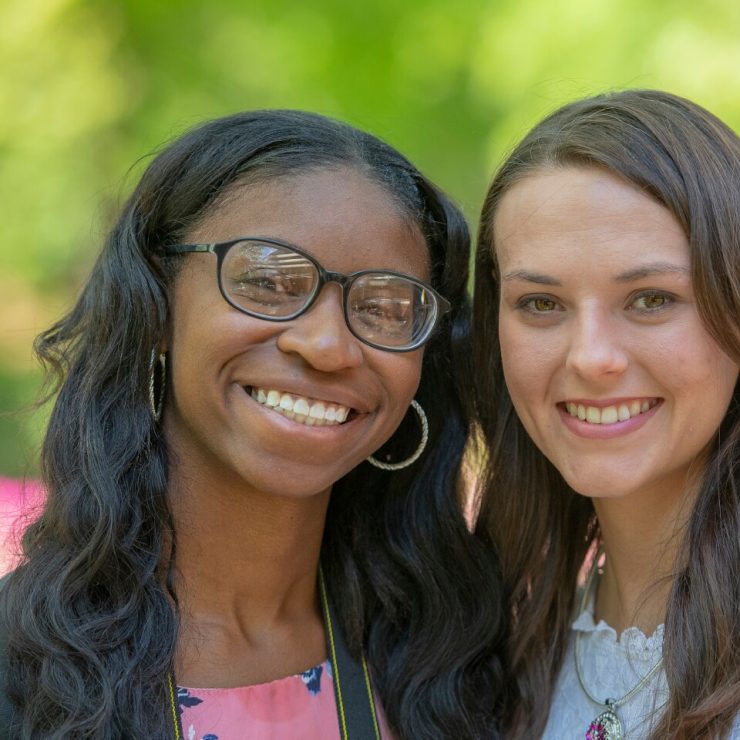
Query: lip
{"x": 606, "y": 431}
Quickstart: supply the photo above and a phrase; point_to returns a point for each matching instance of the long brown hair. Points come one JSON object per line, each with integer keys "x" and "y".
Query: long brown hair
{"x": 689, "y": 161}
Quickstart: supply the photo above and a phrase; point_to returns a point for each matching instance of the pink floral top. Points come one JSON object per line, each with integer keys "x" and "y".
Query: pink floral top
{"x": 298, "y": 707}
{"x": 301, "y": 706}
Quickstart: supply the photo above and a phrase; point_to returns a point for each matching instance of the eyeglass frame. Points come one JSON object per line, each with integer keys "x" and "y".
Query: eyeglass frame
{"x": 345, "y": 281}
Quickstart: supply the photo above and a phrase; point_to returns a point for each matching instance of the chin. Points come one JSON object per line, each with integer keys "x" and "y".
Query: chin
{"x": 605, "y": 492}
{"x": 601, "y": 483}
{"x": 294, "y": 487}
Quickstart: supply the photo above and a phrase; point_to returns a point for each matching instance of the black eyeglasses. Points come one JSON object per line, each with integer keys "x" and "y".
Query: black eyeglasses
{"x": 275, "y": 281}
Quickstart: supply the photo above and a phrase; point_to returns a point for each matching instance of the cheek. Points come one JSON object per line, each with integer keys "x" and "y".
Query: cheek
{"x": 704, "y": 377}
{"x": 411, "y": 372}
{"x": 211, "y": 332}
{"x": 528, "y": 361}
{"x": 401, "y": 375}
{"x": 695, "y": 363}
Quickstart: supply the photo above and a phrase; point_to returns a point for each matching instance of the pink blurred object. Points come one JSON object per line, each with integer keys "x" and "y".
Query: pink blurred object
{"x": 20, "y": 503}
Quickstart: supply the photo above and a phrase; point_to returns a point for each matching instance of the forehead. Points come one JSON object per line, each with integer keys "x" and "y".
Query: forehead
{"x": 343, "y": 218}
{"x": 567, "y": 218}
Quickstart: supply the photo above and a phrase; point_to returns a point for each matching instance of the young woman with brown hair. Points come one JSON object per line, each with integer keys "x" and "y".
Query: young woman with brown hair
{"x": 607, "y": 332}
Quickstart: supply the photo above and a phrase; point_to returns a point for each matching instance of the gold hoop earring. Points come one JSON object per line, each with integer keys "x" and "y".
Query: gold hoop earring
{"x": 416, "y": 406}
{"x": 155, "y": 404}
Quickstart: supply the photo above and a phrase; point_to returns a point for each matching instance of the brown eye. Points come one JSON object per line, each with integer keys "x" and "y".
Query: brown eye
{"x": 538, "y": 306}
{"x": 543, "y": 304}
{"x": 651, "y": 301}
{"x": 654, "y": 301}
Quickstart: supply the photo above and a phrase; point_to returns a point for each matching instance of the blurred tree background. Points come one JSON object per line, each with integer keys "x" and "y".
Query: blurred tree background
{"x": 89, "y": 88}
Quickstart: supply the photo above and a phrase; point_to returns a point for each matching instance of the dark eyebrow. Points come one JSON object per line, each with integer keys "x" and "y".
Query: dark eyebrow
{"x": 654, "y": 268}
{"x": 531, "y": 277}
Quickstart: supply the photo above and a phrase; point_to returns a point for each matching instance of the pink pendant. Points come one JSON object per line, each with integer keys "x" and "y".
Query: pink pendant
{"x": 605, "y": 727}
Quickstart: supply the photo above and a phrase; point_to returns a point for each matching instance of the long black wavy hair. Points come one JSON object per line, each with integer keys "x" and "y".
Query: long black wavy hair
{"x": 92, "y": 615}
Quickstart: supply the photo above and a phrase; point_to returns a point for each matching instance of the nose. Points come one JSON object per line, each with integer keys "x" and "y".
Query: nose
{"x": 321, "y": 335}
{"x": 597, "y": 347}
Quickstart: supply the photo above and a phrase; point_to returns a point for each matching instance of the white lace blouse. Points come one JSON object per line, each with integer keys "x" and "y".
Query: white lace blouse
{"x": 610, "y": 668}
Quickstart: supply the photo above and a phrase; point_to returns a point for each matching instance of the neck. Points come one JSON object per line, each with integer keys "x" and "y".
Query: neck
{"x": 641, "y": 535}
{"x": 246, "y": 580}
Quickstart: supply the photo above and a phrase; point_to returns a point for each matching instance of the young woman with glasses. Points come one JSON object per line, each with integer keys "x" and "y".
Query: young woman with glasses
{"x": 607, "y": 331}
{"x": 252, "y": 526}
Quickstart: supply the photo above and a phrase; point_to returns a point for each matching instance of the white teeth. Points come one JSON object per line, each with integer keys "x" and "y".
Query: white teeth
{"x": 300, "y": 409}
{"x": 608, "y": 414}
{"x": 316, "y": 415}
{"x": 286, "y": 403}
{"x": 317, "y": 410}
{"x": 286, "y": 406}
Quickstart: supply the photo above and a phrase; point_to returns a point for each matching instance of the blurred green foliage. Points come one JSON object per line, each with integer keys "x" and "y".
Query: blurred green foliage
{"x": 89, "y": 87}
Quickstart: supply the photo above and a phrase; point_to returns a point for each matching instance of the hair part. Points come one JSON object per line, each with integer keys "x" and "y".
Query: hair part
{"x": 688, "y": 161}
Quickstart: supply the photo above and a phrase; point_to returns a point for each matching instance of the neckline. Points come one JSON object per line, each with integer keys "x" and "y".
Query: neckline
{"x": 632, "y": 639}
{"x": 586, "y": 623}
{"x": 324, "y": 665}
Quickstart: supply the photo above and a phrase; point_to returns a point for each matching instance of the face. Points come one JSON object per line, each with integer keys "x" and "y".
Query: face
{"x": 229, "y": 370}
{"x": 608, "y": 364}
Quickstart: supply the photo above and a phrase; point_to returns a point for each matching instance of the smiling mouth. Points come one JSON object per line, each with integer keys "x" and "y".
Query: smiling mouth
{"x": 308, "y": 411}
{"x": 609, "y": 414}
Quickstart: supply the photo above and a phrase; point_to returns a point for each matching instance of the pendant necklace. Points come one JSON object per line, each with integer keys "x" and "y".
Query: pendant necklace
{"x": 607, "y": 726}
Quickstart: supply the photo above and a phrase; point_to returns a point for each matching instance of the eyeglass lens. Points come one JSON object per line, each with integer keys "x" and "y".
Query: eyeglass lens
{"x": 275, "y": 282}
